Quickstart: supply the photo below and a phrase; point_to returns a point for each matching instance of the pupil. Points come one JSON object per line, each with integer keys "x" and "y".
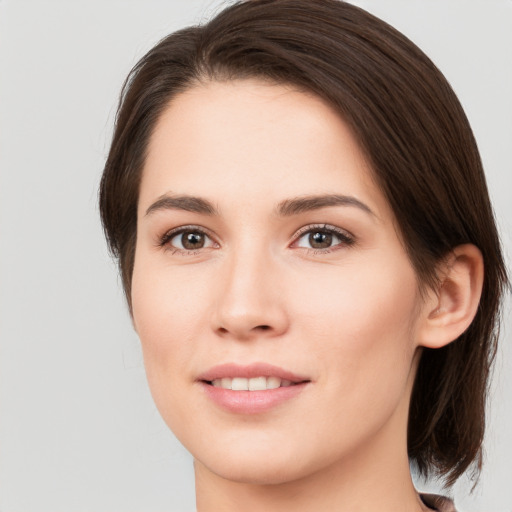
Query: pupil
{"x": 320, "y": 240}
{"x": 192, "y": 240}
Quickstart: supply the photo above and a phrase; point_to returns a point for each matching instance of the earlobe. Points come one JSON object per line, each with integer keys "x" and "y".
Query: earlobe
{"x": 452, "y": 307}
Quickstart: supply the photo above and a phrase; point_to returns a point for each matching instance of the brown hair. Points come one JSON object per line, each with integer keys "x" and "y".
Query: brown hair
{"x": 416, "y": 137}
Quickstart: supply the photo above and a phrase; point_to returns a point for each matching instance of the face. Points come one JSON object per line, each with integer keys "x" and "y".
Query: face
{"x": 267, "y": 258}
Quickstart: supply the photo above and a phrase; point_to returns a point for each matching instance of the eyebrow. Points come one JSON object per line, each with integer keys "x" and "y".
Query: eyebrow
{"x": 184, "y": 202}
{"x": 286, "y": 208}
{"x": 308, "y": 203}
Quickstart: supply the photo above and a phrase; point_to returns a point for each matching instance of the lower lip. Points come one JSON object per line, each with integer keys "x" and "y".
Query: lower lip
{"x": 251, "y": 402}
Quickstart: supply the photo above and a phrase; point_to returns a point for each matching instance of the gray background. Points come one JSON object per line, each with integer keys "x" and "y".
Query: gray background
{"x": 78, "y": 429}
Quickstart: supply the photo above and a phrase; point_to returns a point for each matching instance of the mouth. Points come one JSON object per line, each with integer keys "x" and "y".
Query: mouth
{"x": 251, "y": 389}
{"x": 261, "y": 383}
{"x": 252, "y": 377}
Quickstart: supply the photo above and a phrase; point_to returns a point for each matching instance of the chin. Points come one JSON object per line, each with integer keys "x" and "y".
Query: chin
{"x": 257, "y": 464}
{"x": 256, "y": 473}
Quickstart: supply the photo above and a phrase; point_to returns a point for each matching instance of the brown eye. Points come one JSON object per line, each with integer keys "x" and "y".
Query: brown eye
{"x": 320, "y": 240}
{"x": 187, "y": 240}
{"x": 192, "y": 240}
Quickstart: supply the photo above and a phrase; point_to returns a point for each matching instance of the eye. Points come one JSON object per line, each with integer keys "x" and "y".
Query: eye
{"x": 322, "y": 237}
{"x": 187, "y": 239}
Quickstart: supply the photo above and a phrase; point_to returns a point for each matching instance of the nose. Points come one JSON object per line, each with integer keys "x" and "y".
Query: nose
{"x": 250, "y": 303}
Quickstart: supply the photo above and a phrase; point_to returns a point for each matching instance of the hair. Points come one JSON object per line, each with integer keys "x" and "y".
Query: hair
{"x": 413, "y": 132}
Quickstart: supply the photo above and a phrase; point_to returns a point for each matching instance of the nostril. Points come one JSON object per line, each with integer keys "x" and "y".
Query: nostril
{"x": 263, "y": 327}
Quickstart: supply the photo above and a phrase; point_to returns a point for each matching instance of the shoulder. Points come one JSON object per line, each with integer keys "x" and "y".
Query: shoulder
{"x": 439, "y": 503}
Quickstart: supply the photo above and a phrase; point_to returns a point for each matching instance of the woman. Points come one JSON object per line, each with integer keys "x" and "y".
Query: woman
{"x": 310, "y": 258}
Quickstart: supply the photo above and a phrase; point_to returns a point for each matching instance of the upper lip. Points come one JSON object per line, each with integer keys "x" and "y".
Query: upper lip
{"x": 249, "y": 371}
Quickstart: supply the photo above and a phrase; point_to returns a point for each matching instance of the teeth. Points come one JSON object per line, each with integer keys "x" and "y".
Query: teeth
{"x": 257, "y": 384}
{"x": 239, "y": 384}
{"x": 273, "y": 382}
{"x": 253, "y": 384}
{"x": 225, "y": 383}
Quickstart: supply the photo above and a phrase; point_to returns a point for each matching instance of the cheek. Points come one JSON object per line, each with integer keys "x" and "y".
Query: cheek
{"x": 357, "y": 300}
{"x": 167, "y": 311}
{"x": 167, "y": 307}
{"x": 362, "y": 318}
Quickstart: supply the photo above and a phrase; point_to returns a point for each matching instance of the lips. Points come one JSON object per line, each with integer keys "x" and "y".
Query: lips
{"x": 251, "y": 389}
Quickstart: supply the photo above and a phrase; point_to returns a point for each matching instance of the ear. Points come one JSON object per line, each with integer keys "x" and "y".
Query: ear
{"x": 450, "y": 309}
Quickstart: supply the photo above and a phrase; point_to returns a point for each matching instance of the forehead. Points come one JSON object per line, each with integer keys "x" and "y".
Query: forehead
{"x": 237, "y": 138}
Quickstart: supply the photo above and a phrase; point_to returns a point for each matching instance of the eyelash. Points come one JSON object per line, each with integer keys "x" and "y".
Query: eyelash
{"x": 346, "y": 239}
{"x": 164, "y": 241}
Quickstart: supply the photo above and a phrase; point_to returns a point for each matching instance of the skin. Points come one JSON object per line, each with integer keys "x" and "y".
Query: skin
{"x": 349, "y": 316}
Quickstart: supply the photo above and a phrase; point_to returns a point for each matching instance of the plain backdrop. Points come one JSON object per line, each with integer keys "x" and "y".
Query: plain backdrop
{"x": 78, "y": 429}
